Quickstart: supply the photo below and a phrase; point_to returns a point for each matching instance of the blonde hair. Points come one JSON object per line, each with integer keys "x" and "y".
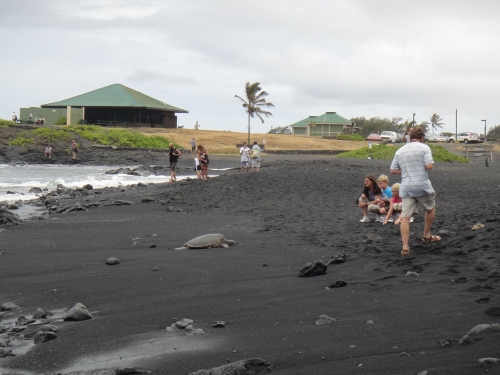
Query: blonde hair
{"x": 395, "y": 187}
{"x": 383, "y": 178}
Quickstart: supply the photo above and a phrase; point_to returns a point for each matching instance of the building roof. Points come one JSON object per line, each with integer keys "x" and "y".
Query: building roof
{"x": 326, "y": 118}
{"x": 304, "y": 121}
{"x": 116, "y": 95}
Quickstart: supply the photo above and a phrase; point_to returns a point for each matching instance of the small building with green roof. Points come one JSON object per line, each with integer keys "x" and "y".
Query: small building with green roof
{"x": 111, "y": 105}
{"x": 327, "y": 125}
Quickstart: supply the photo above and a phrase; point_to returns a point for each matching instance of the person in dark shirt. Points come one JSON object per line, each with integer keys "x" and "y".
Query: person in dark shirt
{"x": 173, "y": 154}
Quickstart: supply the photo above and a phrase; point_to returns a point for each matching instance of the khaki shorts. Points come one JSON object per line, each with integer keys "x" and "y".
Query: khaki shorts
{"x": 427, "y": 201}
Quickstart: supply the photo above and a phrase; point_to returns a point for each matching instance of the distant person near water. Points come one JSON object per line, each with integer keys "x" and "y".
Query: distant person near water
{"x": 74, "y": 149}
{"x": 412, "y": 161}
{"x": 173, "y": 154}
{"x": 48, "y": 151}
{"x": 256, "y": 151}
{"x": 204, "y": 161}
{"x": 197, "y": 166}
{"x": 193, "y": 145}
{"x": 245, "y": 157}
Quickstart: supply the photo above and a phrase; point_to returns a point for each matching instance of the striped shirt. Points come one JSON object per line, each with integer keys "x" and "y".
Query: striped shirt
{"x": 411, "y": 160}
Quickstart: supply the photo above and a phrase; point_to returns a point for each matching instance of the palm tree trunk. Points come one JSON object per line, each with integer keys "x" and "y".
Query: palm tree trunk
{"x": 248, "y": 129}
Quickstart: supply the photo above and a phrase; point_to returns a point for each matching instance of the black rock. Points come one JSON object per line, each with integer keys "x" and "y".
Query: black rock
{"x": 130, "y": 371}
{"x": 316, "y": 268}
{"x": 335, "y": 259}
{"x": 35, "y": 190}
{"x": 493, "y": 311}
{"x": 112, "y": 262}
{"x": 338, "y": 284}
{"x": 217, "y": 324}
{"x": 483, "y": 300}
{"x": 243, "y": 367}
{"x": 44, "y": 336}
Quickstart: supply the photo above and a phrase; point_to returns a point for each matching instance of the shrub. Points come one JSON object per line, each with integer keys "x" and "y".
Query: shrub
{"x": 51, "y": 135}
{"x": 350, "y": 137}
{"x": 61, "y": 121}
{"x": 6, "y": 122}
{"x": 23, "y": 139}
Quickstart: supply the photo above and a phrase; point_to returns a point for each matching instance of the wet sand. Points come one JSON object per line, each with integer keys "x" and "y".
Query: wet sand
{"x": 295, "y": 210}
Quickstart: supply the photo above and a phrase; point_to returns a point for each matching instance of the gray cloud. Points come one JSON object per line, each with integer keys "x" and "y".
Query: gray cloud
{"x": 365, "y": 58}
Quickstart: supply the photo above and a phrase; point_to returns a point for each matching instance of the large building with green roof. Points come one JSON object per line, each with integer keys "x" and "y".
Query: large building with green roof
{"x": 111, "y": 105}
{"x": 329, "y": 124}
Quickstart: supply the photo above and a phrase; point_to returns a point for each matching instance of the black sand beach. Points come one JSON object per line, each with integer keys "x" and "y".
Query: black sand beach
{"x": 297, "y": 209}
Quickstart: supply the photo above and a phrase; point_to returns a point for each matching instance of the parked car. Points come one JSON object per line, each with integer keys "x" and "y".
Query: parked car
{"x": 482, "y": 138}
{"x": 374, "y": 137}
{"x": 390, "y": 136}
{"x": 434, "y": 138}
{"x": 465, "y": 137}
{"x": 400, "y": 137}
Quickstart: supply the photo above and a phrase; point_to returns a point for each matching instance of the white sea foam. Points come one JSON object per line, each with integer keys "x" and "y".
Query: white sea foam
{"x": 20, "y": 179}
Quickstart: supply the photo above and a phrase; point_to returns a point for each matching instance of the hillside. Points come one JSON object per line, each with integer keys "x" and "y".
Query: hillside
{"x": 224, "y": 142}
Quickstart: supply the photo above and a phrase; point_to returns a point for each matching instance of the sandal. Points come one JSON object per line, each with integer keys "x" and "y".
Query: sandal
{"x": 405, "y": 252}
{"x": 431, "y": 239}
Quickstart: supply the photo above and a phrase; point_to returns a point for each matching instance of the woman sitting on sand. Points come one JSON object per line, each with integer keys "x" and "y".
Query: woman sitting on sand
{"x": 204, "y": 161}
{"x": 370, "y": 198}
{"x": 396, "y": 205}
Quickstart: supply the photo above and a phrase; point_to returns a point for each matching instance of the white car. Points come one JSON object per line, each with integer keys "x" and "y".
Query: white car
{"x": 387, "y": 135}
{"x": 434, "y": 138}
{"x": 465, "y": 137}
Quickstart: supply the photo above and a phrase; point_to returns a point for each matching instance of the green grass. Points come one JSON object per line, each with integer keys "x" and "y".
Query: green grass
{"x": 350, "y": 137}
{"x": 23, "y": 139}
{"x": 4, "y": 122}
{"x": 93, "y": 133}
{"x": 439, "y": 153}
{"x": 51, "y": 135}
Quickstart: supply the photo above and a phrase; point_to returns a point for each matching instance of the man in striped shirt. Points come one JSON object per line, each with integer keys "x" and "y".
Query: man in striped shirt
{"x": 412, "y": 161}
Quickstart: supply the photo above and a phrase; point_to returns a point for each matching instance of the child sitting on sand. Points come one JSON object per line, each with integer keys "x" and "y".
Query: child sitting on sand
{"x": 396, "y": 205}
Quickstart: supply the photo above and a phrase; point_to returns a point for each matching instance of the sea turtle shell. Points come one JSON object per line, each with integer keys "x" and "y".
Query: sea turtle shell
{"x": 207, "y": 241}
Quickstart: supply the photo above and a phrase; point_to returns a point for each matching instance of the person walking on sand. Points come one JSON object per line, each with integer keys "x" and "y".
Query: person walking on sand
{"x": 412, "y": 161}
{"x": 193, "y": 145}
{"x": 245, "y": 157}
{"x": 204, "y": 161}
{"x": 173, "y": 155}
{"x": 74, "y": 149}
{"x": 48, "y": 151}
{"x": 256, "y": 150}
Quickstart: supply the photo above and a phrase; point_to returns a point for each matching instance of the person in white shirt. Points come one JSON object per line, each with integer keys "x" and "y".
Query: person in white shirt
{"x": 245, "y": 157}
{"x": 412, "y": 161}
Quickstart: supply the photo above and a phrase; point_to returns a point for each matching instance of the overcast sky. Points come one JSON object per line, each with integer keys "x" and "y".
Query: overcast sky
{"x": 386, "y": 58}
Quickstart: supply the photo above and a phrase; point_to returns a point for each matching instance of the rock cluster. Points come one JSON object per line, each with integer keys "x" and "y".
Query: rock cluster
{"x": 243, "y": 367}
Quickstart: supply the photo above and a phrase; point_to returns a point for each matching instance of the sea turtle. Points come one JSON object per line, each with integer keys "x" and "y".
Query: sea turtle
{"x": 207, "y": 241}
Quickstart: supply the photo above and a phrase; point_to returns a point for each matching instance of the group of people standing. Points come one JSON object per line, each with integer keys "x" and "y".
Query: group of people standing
{"x": 412, "y": 162}
{"x": 250, "y": 157}
{"x": 201, "y": 161}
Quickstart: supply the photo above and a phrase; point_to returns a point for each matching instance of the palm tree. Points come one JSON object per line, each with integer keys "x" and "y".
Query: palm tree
{"x": 255, "y": 99}
{"x": 436, "y": 122}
